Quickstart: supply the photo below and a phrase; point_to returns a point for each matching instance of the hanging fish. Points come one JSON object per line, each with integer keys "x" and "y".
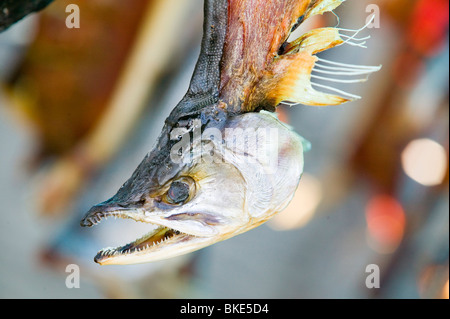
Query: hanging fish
{"x": 224, "y": 163}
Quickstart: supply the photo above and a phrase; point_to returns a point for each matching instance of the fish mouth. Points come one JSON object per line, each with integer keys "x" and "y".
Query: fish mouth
{"x": 141, "y": 250}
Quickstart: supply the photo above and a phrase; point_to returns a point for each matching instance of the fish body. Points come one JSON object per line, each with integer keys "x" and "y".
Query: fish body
{"x": 223, "y": 163}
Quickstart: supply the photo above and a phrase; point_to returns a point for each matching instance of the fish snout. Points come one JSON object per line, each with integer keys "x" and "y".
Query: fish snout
{"x": 109, "y": 208}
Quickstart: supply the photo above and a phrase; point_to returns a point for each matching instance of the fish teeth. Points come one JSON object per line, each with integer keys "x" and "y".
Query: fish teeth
{"x": 112, "y": 252}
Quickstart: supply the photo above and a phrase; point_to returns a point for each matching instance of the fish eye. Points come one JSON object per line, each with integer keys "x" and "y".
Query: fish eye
{"x": 180, "y": 191}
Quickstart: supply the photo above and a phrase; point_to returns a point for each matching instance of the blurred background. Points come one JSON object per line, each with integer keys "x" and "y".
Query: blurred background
{"x": 80, "y": 108}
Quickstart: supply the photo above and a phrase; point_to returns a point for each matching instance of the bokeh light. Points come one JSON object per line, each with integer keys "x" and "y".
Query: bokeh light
{"x": 425, "y": 161}
{"x": 385, "y": 223}
{"x": 445, "y": 293}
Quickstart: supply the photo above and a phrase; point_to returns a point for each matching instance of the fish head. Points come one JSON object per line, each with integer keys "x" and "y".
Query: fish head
{"x": 199, "y": 188}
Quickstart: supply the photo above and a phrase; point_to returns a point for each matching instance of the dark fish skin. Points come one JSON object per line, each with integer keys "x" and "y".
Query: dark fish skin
{"x": 12, "y": 11}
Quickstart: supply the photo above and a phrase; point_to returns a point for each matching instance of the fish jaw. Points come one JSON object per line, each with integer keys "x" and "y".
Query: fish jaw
{"x": 171, "y": 235}
{"x": 163, "y": 241}
{"x": 159, "y": 244}
{"x": 179, "y": 229}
